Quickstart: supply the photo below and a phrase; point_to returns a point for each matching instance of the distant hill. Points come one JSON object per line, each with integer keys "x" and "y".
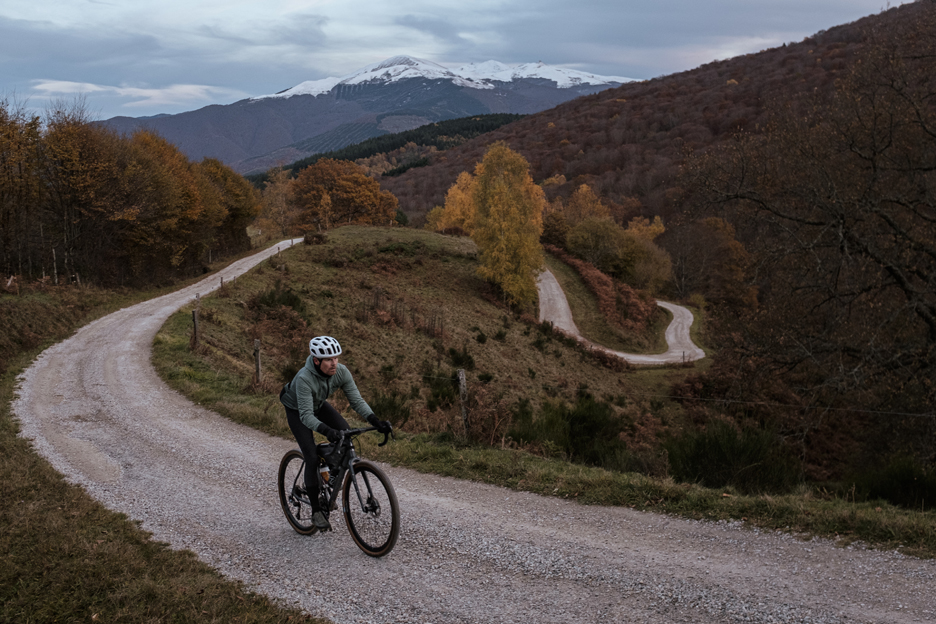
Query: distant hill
{"x": 438, "y": 136}
{"x": 628, "y": 142}
{"x": 398, "y": 94}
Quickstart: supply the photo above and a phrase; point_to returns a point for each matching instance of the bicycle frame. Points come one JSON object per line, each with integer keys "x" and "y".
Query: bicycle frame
{"x": 346, "y": 465}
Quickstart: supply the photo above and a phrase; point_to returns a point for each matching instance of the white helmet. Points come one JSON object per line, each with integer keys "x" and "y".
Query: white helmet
{"x": 324, "y": 347}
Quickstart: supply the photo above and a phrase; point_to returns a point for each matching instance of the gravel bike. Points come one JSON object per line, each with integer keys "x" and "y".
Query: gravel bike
{"x": 369, "y": 503}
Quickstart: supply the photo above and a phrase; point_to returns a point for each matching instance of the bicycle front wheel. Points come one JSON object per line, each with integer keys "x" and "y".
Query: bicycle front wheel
{"x": 371, "y": 510}
{"x": 293, "y": 499}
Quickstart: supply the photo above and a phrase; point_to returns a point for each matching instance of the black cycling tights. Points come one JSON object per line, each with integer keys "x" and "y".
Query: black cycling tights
{"x": 328, "y": 415}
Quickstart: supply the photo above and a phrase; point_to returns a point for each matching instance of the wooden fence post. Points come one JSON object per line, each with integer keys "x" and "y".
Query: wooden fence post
{"x": 463, "y": 396}
{"x": 257, "y": 360}
{"x": 194, "y": 343}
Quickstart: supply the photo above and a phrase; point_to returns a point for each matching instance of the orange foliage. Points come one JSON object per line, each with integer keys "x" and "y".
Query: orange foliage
{"x": 621, "y": 305}
{"x": 337, "y": 192}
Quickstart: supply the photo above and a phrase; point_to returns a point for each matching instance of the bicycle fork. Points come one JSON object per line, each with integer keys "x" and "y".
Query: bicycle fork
{"x": 371, "y": 506}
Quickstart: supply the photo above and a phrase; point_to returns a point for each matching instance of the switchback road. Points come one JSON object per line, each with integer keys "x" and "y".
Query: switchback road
{"x": 554, "y": 307}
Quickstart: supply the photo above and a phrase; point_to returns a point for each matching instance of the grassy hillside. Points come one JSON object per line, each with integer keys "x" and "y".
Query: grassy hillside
{"x": 410, "y": 311}
{"x": 543, "y": 415}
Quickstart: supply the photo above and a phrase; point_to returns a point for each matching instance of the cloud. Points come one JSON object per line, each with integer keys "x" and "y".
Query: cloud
{"x": 177, "y": 54}
{"x": 138, "y": 97}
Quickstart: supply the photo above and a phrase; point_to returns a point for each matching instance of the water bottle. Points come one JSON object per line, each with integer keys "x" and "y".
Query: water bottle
{"x": 323, "y": 470}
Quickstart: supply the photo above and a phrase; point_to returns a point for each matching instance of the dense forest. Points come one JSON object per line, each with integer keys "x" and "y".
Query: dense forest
{"x": 79, "y": 203}
{"x": 441, "y": 135}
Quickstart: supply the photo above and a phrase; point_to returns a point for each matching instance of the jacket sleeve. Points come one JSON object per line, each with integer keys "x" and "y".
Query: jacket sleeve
{"x": 354, "y": 396}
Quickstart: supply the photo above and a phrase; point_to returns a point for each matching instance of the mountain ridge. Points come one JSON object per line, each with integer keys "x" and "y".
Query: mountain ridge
{"x": 397, "y": 94}
{"x": 472, "y": 75}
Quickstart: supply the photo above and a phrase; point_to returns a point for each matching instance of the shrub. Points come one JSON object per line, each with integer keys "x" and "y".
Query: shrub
{"x": 586, "y": 433}
{"x": 277, "y": 296}
{"x": 392, "y": 406}
{"x": 461, "y": 359}
{"x": 442, "y": 388}
{"x": 904, "y": 482}
{"x": 749, "y": 459}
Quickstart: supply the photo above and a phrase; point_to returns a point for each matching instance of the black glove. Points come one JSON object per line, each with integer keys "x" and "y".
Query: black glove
{"x": 333, "y": 435}
{"x": 383, "y": 426}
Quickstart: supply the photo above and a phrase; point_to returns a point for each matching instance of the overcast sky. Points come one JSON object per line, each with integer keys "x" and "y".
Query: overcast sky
{"x": 143, "y": 57}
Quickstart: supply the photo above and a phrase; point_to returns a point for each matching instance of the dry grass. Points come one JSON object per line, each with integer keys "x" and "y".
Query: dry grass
{"x": 393, "y": 352}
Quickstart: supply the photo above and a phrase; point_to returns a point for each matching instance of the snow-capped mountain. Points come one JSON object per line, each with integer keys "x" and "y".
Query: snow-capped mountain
{"x": 400, "y": 93}
{"x": 494, "y": 71}
{"x": 473, "y": 76}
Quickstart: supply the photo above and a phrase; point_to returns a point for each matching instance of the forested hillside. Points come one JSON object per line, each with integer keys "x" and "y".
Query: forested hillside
{"x": 80, "y": 203}
{"x": 627, "y": 143}
{"x": 796, "y": 186}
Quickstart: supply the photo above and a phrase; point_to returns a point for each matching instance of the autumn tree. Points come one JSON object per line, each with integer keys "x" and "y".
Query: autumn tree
{"x": 555, "y": 229}
{"x": 335, "y": 192}
{"x": 708, "y": 260}
{"x": 641, "y": 227}
{"x": 601, "y": 242}
{"x": 237, "y": 199}
{"x": 21, "y": 241}
{"x": 508, "y": 223}
{"x": 81, "y": 202}
{"x": 458, "y": 213}
{"x": 628, "y": 254}
{"x": 83, "y": 171}
{"x": 584, "y": 204}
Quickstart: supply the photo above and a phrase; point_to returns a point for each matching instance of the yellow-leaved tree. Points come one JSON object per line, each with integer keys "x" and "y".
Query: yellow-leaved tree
{"x": 459, "y": 209}
{"x": 278, "y": 214}
{"x": 508, "y": 221}
{"x": 335, "y": 192}
{"x": 584, "y": 204}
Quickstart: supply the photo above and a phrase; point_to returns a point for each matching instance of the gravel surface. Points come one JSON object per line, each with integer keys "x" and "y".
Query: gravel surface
{"x": 468, "y": 552}
{"x": 554, "y": 307}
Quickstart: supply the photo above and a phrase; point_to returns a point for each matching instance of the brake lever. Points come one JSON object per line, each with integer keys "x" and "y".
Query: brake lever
{"x": 386, "y": 436}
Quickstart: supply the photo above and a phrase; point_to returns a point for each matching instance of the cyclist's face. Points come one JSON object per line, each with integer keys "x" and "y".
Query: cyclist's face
{"x": 328, "y": 365}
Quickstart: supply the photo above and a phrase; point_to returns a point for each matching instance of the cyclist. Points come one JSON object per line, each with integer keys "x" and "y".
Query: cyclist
{"x": 307, "y": 409}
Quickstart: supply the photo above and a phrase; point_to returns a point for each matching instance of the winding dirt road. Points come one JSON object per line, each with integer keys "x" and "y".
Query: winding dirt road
{"x": 468, "y": 553}
{"x": 554, "y": 307}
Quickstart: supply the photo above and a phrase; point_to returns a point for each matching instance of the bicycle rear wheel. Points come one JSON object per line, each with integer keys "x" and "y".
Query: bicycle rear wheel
{"x": 293, "y": 499}
{"x": 371, "y": 510}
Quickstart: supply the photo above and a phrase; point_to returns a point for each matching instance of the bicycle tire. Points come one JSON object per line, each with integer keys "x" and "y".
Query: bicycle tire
{"x": 375, "y": 526}
{"x": 296, "y": 506}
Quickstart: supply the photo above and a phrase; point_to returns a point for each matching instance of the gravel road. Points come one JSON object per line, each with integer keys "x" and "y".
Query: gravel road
{"x": 468, "y": 553}
{"x": 554, "y": 307}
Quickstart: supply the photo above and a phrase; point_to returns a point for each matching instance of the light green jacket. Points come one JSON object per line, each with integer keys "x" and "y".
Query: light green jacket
{"x": 309, "y": 389}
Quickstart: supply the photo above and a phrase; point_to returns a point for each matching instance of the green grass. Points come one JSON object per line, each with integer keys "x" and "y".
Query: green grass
{"x": 803, "y": 512}
{"x": 385, "y": 357}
